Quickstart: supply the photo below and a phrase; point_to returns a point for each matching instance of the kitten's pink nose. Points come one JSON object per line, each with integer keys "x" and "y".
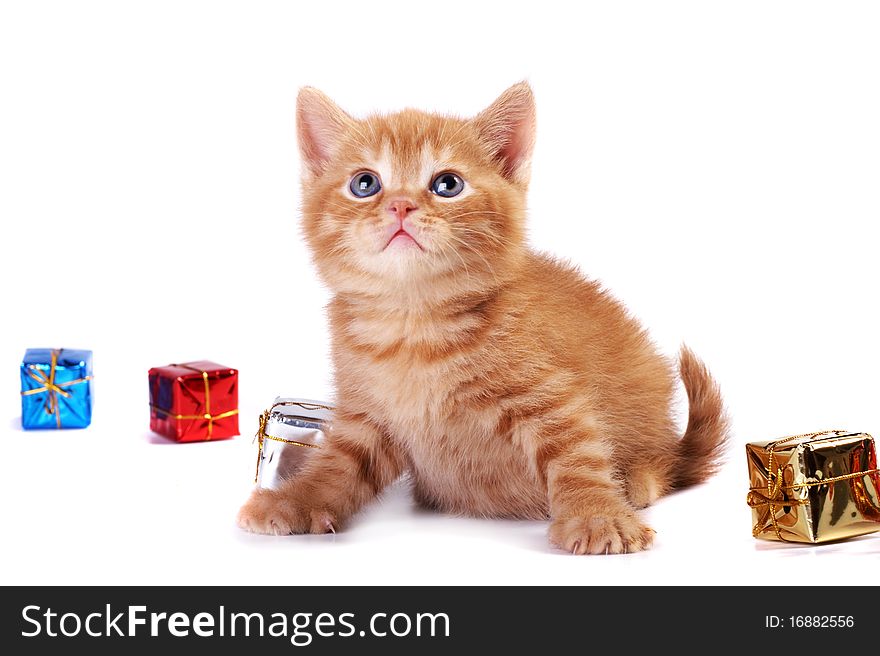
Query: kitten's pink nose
{"x": 401, "y": 207}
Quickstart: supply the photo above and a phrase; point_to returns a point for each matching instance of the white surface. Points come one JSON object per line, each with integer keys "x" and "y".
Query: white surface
{"x": 716, "y": 167}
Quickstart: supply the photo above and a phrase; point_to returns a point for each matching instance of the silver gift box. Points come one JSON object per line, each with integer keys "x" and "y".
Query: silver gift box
{"x": 290, "y": 431}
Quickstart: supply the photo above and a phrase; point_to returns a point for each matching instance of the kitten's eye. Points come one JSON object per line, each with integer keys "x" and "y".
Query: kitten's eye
{"x": 364, "y": 184}
{"x": 447, "y": 185}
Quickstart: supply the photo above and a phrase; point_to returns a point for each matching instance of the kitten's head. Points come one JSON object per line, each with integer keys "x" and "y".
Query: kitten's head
{"x": 427, "y": 205}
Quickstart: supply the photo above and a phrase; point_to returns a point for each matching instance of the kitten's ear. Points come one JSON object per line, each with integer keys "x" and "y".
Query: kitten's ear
{"x": 320, "y": 126}
{"x": 507, "y": 127}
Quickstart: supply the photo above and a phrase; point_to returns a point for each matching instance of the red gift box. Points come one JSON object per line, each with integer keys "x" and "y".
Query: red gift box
{"x": 194, "y": 401}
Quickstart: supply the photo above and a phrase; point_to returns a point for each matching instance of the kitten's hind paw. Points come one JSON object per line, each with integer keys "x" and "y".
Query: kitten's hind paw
{"x": 600, "y": 534}
{"x": 271, "y": 513}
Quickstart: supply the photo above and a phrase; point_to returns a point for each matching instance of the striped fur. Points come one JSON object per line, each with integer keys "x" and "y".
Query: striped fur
{"x": 503, "y": 382}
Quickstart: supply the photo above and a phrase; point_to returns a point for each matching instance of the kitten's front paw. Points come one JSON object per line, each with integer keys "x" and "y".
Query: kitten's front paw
{"x": 601, "y": 535}
{"x": 273, "y": 513}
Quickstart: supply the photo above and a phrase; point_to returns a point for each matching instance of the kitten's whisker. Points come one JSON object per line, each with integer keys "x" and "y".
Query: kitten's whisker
{"x": 358, "y": 128}
{"x": 458, "y": 216}
{"x": 454, "y": 144}
{"x": 340, "y": 206}
{"x": 466, "y": 246}
{"x": 373, "y": 131}
{"x": 485, "y": 235}
{"x": 453, "y": 269}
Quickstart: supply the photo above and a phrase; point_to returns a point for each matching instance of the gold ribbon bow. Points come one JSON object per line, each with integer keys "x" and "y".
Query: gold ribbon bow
{"x": 766, "y": 501}
{"x": 207, "y": 414}
{"x": 50, "y": 387}
{"x": 776, "y": 489}
{"x": 261, "y": 434}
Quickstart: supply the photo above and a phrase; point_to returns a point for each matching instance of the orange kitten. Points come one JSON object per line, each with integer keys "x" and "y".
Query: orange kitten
{"x": 501, "y": 380}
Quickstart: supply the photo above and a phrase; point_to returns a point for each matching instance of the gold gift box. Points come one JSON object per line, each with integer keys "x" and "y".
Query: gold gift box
{"x": 815, "y": 487}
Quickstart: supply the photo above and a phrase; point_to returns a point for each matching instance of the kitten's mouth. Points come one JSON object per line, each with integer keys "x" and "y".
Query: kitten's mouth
{"x": 403, "y": 238}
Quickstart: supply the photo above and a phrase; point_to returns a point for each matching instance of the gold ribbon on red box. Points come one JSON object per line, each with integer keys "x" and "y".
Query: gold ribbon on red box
{"x": 207, "y": 415}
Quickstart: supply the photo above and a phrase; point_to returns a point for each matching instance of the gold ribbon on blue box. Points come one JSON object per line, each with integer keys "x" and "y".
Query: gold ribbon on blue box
{"x": 814, "y": 487}
{"x": 56, "y": 388}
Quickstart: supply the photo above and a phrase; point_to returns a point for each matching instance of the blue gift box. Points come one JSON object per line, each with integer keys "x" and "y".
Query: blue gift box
{"x": 56, "y": 388}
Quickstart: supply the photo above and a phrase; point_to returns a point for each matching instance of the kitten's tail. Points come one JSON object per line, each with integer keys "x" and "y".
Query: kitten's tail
{"x": 707, "y": 433}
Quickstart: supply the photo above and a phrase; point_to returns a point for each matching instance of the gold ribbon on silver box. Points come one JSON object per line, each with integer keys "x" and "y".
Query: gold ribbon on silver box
{"x": 288, "y": 433}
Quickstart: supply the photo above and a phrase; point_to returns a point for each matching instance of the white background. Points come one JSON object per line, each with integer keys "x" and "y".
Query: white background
{"x": 715, "y": 164}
